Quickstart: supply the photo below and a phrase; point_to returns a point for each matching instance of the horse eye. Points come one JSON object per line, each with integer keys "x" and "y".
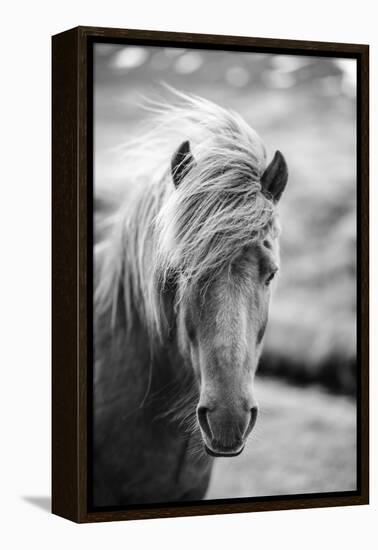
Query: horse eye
{"x": 270, "y": 278}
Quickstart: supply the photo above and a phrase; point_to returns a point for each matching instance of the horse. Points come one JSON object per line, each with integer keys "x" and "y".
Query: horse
{"x": 182, "y": 286}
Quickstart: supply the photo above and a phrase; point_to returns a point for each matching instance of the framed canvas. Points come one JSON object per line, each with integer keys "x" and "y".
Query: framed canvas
{"x": 210, "y": 274}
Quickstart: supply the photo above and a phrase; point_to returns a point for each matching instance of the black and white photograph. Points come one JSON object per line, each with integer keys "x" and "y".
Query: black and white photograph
{"x": 224, "y": 275}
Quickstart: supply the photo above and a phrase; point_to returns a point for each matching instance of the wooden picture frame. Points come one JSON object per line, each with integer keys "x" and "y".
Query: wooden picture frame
{"x": 72, "y": 288}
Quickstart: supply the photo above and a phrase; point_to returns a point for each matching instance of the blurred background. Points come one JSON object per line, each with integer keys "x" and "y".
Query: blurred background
{"x": 305, "y": 438}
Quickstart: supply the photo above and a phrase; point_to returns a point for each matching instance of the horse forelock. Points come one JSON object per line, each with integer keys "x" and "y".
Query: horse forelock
{"x": 196, "y": 229}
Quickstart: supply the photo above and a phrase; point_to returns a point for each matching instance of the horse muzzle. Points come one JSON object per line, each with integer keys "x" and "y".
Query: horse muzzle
{"x": 224, "y": 433}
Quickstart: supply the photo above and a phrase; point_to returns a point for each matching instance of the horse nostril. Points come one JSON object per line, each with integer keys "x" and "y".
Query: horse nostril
{"x": 204, "y": 421}
{"x": 252, "y": 420}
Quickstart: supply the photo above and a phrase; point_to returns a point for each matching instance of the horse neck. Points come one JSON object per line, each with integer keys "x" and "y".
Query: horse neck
{"x": 155, "y": 363}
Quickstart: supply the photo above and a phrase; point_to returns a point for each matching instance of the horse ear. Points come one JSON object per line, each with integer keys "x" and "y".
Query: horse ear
{"x": 181, "y": 162}
{"x": 274, "y": 179}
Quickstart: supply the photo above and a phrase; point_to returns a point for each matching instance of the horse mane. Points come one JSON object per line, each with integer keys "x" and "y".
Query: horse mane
{"x": 193, "y": 231}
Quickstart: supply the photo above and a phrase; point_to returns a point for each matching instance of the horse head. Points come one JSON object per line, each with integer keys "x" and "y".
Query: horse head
{"x": 222, "y": 313}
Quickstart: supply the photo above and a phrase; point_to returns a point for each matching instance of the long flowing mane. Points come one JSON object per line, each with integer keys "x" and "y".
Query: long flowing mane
{"x": 193, "y": 231}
